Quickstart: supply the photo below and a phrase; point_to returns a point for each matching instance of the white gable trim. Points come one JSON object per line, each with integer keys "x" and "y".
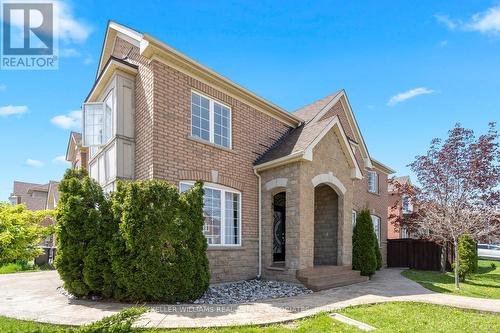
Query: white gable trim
{"x": 350, "y": 119}
{"x": 346, "y": 147}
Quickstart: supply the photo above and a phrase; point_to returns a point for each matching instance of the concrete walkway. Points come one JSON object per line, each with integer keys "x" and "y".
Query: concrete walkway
{"x": 34, "y": 296}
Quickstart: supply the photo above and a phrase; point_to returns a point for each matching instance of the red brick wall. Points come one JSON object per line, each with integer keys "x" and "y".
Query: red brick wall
{"x": 392, "y": 233}
{"x": 164, "y": 149}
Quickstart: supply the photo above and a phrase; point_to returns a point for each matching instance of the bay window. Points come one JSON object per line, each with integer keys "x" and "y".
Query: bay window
{"x": 222, "y": 212}
{"x": 210, "y": 120}
{"x": 98, "y": 122}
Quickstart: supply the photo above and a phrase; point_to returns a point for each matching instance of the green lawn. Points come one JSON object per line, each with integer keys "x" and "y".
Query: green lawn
{"x": 17, "y": 267}
{"x": 387, "y": 317}
{"x": 484, "y": 284}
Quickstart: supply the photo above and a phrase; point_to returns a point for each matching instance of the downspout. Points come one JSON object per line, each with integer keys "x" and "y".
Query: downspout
{"x": 259, "y": 274}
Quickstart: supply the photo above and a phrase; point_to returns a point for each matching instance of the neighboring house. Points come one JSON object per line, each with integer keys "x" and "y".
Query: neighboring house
{"x": 38, "y": 197}
{"x": 399, "y": 205}
{"x": 76, "y": 154}
{"x": 281, "y": 189}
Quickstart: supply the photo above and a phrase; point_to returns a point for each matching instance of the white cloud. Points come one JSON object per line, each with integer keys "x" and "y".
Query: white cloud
{"x": 69, "y": 28}
{"x": 10, "y": 110}
{"x": 401, "y": 97}
{"x": 486, "y": 22}
{"x": 447, "y": 21}
{"x": 72, "y": 120}
{"x": 68, "y": 53}
{"x": 88, "y": 59}
{"x": 34, "y": 163}
{"x": 3, "y": 87}
{"x": 443, "y": 43}
{"x": 61, "y": 159}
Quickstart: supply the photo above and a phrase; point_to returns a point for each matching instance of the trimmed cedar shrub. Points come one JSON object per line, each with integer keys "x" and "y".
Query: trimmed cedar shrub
{"x": 160, "y": 251}
{"x": 143, "y": 243}
{"x": 83, "y": 229}
{"x": 364, "y": 258}
{"x": 467, "y": 256}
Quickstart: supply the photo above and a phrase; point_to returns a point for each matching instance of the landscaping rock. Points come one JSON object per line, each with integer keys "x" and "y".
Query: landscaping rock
{"x": 250, "y": 291}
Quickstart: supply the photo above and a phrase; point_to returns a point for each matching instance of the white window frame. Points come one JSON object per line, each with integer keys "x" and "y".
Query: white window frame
{"x": 211, "y": 123}
{"x": 354, "y": 216}
{"x": 223, "y": 190}
{"x": 409, "y": 208}
{"x": 378, "y": 231}
{"x": 375, "y": 182}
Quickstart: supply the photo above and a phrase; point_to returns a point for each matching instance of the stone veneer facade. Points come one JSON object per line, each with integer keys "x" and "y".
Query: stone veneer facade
{"x": 164, "y": 149}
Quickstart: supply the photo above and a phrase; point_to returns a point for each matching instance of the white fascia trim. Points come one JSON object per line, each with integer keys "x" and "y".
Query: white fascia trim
{"x": 327, "y": 107}
{"x": 112, "y": 31}
{"x": 130, "y": 35}
{"x": 368, "y": 163}
{"x": 107, "y": 73}
{"x": 335, "y": 122}
{"x": 352, "y": 123}
{"x": 280, "y": 161}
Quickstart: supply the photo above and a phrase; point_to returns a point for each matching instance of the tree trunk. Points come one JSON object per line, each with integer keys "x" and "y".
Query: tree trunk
{"x": 444, "y": 256}
{"x": 455, "y": 249}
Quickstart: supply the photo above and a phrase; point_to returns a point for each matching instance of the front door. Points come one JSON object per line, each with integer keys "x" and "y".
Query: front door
{"x": 279, "y": 231}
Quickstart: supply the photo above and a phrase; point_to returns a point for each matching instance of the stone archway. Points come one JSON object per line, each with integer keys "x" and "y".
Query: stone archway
{"x": 326, "y": 225}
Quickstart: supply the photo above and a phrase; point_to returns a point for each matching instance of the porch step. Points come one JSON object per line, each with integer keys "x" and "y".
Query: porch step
{"x": 326, "y": 277}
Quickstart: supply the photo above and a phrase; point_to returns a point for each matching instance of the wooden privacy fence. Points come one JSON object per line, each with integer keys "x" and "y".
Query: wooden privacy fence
{"x": 415, "y": 253}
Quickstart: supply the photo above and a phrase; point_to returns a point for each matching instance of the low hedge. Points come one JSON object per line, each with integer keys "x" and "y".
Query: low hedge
{"x": 144, "y": 242}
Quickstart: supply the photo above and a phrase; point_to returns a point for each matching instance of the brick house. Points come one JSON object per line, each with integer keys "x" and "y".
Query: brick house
{"x": 399, "y": 205}
{"x": 281, "y": 188}
{"x": 38, "y": 197}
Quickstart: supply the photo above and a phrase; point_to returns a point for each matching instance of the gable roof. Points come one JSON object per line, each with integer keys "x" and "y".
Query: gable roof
{"x": 309, "y": 111}
{"x": 315, "y": 111}
{"x": 298, "y": 144}
{"x": 154, "y": 49}
{"x": 23, "y": 190}
{"x": 403, "y": 180}
{"x": 74, "y": 142}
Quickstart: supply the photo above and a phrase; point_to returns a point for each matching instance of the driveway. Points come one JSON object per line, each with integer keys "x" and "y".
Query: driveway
{"x": 34, "y": 296}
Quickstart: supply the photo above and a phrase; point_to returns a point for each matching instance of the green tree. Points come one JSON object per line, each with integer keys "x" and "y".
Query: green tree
{"x": 21, "y": 232}
{"x": 84, "y": 226}
{"x": 467, "y": 256}
{"x": 364, "y": 256}
{"x": 160, "y": 253}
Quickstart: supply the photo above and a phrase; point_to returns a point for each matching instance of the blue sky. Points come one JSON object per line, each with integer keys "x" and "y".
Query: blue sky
{"x": 411, "y": 69}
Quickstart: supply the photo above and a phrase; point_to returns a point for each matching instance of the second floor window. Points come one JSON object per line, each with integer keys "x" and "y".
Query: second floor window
{"x": 372, "y": 182}
{"x": 210, "y": 120}
{"x": 376, "y": 226}
{"x": 407, "y": 207}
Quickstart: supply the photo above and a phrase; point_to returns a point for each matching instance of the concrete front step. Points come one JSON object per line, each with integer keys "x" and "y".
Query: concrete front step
{"x": 326, "y": 277}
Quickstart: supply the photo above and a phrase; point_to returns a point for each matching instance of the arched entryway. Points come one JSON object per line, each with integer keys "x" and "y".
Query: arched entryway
{"x": 326, "y": 223}
{"x": 279, "y": 227}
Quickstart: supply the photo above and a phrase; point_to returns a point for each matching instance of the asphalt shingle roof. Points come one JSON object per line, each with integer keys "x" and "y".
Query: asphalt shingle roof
{"x": 298, "y": 139}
